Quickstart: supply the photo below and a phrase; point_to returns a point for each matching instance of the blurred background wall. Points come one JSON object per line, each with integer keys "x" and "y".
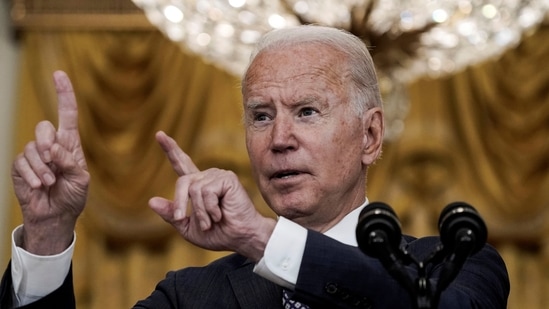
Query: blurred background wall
{"x": 8, "y": 79}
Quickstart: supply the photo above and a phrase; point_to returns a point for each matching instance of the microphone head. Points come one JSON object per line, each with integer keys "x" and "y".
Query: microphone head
{"x": 458, "y": 218}
{"x": 377, "y": 220}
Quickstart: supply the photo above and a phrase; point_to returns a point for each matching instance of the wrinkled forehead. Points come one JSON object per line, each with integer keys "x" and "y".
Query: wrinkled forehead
{"x": 293, "y": 61}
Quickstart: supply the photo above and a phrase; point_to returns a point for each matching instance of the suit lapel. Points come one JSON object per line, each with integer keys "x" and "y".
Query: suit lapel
{"x": 253, "y": 291}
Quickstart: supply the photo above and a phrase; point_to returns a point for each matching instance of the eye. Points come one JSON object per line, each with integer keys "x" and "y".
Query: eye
{"x": 307, "y": 111}
{"x": 260, "y": 117}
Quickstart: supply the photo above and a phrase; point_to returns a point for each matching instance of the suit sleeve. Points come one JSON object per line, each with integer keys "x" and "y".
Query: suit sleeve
{"x": 63, "y": 297}
{"x": 163, "y": 296}
{"x": 341, "y": 275}
{"x": 483, "y": 282}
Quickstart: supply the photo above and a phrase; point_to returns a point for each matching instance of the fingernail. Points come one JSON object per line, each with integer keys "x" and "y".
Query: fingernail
{"x": 49, "y": 179}
{"x": 178, "y": 214}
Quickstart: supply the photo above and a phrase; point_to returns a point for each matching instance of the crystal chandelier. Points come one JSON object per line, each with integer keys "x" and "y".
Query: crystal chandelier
{"x": 408, "y": 38}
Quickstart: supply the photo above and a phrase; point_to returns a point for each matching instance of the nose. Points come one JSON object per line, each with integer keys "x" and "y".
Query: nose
{"x": 283, "y": 136}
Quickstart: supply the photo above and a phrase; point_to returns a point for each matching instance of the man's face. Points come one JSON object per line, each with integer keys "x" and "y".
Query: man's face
{"x": 304, "y": 140}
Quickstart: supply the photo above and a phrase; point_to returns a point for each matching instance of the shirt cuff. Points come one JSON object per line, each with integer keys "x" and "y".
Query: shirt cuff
{"x": 283, "y": 254}
{"x": 36, "y": 276}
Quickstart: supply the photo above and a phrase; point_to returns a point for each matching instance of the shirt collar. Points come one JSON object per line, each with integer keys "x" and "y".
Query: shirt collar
{"x": 344, "y": 230}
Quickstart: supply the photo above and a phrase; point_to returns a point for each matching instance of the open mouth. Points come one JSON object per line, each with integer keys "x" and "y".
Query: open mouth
{"x": 285, "y": 174}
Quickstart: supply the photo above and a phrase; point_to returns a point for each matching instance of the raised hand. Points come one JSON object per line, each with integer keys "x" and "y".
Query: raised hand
{"x": 50, "y": 178}
{"x": 221, "y": 215}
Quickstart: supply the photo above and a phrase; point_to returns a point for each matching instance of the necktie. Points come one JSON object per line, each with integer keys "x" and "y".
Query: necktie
{"x": 291, "y": 304}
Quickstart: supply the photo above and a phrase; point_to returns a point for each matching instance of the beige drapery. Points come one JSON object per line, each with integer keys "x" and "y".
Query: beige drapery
{"x": 480, "y": 136}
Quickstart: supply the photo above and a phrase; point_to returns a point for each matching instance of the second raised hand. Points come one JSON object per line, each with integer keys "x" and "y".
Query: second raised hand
{"x": 185, "y": 168}
{"x": 223, "y": 217}
{"x": 181, "y": 162}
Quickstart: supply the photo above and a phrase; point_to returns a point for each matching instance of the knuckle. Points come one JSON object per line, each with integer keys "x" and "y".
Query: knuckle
{"x": 232, "y": 175}
{"x": 30, "y": 147}
{"x": 182, "y": 181}
{"x": 17, "y": 162}
{"x": 195, "y": 190}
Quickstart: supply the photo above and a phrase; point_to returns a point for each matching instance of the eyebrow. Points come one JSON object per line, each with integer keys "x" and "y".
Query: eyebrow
{"x": 254, "y": 105}
{"x": 307, "y": 100}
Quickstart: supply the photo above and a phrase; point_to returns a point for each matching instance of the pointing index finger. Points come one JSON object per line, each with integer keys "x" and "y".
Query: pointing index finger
{"x": 67, "y": 108}
{"x": 181, "y": 162}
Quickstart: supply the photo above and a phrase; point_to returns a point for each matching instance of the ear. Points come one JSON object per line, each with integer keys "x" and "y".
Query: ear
{"x": 373, "y": 135}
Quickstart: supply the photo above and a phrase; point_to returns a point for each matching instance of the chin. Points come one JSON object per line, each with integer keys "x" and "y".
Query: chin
{"x": 292, "y": 212}
{"x": 290, "y": 205}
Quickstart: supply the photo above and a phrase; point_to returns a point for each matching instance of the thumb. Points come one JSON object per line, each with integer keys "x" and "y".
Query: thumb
{"x": 166, "y": 209}
{"x": 65, "y": 163}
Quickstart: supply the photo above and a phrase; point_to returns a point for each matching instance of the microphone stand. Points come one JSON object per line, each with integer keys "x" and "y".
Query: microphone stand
{"x": 420, "y": 289}
{"x": 462, "y": 233}
{"x": 454, "y": 261}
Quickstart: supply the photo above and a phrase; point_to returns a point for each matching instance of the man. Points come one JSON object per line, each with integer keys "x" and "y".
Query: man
{"x": 314, "y": 123}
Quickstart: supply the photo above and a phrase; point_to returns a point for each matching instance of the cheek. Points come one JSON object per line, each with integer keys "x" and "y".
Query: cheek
{"x": 253, "y": 158}
{"x": 255, "y": 147}
{"x": 345, "y": 137}
{"x": 251, "y": 152}
{"x": 346, "y": 148}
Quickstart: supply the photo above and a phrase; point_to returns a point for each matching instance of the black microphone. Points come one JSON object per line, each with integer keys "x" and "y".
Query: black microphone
{"x": 378, "y": 230}
{"x": 461, "y": 225}
{"x": 378, "y": 234}
{"x": 462, "y": 233}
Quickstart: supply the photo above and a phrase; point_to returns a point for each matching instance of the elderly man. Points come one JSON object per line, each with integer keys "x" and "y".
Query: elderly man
{"x": 314, "y": 123}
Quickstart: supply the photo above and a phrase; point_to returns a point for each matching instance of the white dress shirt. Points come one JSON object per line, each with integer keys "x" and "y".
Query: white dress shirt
{"x": 37, "y": 276}
{"x": 284, "y": 252}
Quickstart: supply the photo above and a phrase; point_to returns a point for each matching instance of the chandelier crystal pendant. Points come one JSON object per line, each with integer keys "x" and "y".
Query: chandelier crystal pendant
{"x": 407, "y": 38}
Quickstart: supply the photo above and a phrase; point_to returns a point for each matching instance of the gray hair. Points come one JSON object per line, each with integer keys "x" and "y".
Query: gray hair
{"x": 365, "y": 93}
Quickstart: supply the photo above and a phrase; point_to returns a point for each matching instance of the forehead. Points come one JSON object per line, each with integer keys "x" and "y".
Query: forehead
{"x": 295, "y": 65}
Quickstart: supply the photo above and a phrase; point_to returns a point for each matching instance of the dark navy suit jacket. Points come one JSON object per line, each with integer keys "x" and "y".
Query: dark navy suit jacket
{"x": 332, "y": 275}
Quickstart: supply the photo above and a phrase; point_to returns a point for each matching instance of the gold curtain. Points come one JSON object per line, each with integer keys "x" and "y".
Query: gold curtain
{"x": 479, "y": 136}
